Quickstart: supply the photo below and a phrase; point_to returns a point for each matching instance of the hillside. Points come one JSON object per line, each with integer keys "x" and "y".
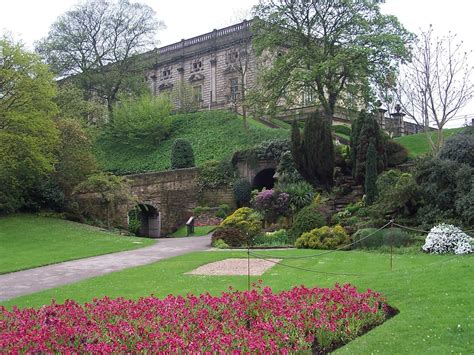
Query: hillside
{"x": 417, "y": 144}
{"x": 213, "y": 135}
{"x": 28, "y": 241}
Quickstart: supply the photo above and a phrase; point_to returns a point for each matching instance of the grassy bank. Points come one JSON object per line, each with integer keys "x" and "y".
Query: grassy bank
{"x": 417, "y": 144}
{"x": 213, "y": 135}
{"x": 28, "y": 241}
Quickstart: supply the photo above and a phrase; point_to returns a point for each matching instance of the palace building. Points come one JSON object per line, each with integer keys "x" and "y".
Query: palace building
{"x": 215, "y": 68}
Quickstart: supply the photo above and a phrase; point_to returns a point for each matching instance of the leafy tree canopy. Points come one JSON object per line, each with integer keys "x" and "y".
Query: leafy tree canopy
{"x": 337, "y": 49}
{"x": 28, "y": 136}
{"x": 99, "y": 39}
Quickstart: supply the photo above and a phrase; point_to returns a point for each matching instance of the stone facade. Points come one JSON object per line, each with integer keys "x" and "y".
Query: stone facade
{"x": 219, "y": 66}
{"x": 215, "y": 66}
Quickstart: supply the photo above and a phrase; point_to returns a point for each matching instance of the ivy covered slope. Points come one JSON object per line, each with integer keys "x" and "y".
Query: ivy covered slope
{"x": 212, "y": 134}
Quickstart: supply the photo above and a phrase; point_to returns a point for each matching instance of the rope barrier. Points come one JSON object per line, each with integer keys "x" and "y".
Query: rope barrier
{"x": 391, "y": 223}
{"x": 425, "y": 232}
{"x": 305, "y": 269}
{"x": 333, "y": 250}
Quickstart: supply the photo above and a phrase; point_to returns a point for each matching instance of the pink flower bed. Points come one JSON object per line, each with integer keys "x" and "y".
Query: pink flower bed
{"x": 237, "y": 322}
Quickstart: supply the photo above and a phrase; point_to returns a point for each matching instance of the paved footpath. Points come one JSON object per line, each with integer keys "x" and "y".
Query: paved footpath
{"x": 21, "y": 283}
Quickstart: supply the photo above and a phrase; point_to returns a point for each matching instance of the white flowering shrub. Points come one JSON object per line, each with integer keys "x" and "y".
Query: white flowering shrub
{"x": 446, "y": 238}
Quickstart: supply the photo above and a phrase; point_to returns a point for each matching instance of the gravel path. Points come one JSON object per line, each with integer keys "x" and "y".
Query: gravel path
{"x": 21, "y": 283}
{"x": 234, "y": 266}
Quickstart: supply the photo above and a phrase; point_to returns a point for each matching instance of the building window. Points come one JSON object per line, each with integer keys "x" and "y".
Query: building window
{"x": 196, "y": 65}
{"x": 232, "y": 56}
{"x": 197, "y": 94}
{"x": 307, "y": 97}
{"x": 165, "y": 73}
{"x": 234, "y": 89}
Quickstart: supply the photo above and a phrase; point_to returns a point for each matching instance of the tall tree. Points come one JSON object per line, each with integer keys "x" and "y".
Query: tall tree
{"x": 366, "y": 131}
{"x": 314, "y": 152}
{"x": 436, "y": 84}
{"x": 371, "y": 175}
{"x": 99, "y": 39}
{"x": 28, "y": 137}
{"x": 75, "y": 160}
{"x": 337, "y": 49}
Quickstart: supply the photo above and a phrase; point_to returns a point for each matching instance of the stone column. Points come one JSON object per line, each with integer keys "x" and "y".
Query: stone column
{"x": 397, "y": 119}
{"x": 213, "y": 80}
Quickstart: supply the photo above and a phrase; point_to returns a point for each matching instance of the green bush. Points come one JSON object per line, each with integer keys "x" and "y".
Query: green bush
{"x": 396, "y": 153}
{"x": 346, "y": 130}
{"x": 134, "y": 222}
{"x": 301, "y": 194}
{"x": 182, "y": 155}
{"x": 286, "y": 170}
{"x": 399, "y": 194}
{"x": 232, "y": 236}
{"x": 460, "y": 147}
{"x": 242, "y": 192}
{"x": 223, "y": 211}
{"x": 245, "y": 219}
{"x": 215, "y": 174}
{"x": 305, "y": 220}
{"x": 324, "y": 238}
{"x": 386, "y": 237}
{"x": 279, "y": 237}
{"x": 139, "y": 123}
{"x": 220, "y": 244}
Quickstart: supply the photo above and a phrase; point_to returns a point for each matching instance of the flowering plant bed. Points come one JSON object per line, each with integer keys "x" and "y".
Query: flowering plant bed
{"x": 300, "y": 319}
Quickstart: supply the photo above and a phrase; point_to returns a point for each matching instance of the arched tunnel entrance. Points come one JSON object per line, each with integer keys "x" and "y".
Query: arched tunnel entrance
{"x": 145, "y": 221}
{"x": 264, "y": 179}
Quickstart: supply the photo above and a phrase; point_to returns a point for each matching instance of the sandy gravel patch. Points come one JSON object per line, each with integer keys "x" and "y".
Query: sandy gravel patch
{"x": 235, "y": 267}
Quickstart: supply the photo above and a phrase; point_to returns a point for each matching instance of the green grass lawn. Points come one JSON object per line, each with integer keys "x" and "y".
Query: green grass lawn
{"x": 28, "y": 241}
{"x": 213, "y": 135}
{"x": 198, "y": 231}
{"x": 417, "y": 144}
{"x": 433, "y": 293}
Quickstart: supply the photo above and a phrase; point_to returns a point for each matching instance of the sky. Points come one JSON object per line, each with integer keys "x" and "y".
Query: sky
{"x": 29, "y": 20}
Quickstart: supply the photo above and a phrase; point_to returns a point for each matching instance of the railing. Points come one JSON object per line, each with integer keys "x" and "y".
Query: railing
{"x": 205, "y": 37}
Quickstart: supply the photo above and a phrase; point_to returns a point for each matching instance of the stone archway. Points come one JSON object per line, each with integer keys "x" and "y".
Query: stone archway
{"x": 150, "y": 220}
{"x": 264, "y": 179}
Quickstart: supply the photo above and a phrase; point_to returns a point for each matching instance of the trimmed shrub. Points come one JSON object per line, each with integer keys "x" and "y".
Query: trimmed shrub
{"x": 242, "y": 192}
{"x": 220, "y": 244}
{"x": 324, "y": 238}
{"x": 182, "y": 155}
{"x": 232, "y": 236}
{"x": 386, "y": 237}
{"x": 396, "y": 153}
{"x": 245, "y": 219}
{"x": 446, "y": 238}
{"x": 305, "y": 220}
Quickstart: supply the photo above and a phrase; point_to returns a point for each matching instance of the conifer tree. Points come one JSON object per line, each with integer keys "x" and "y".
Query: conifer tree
{"x": 371, "y": 175}
{"x": 182, "y": 155}
{"x": 365, "y": 131}
{"x": 314, "y": 153}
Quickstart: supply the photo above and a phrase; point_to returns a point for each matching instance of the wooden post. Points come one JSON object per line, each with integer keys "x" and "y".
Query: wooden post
{"x": 391, "y": 247}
